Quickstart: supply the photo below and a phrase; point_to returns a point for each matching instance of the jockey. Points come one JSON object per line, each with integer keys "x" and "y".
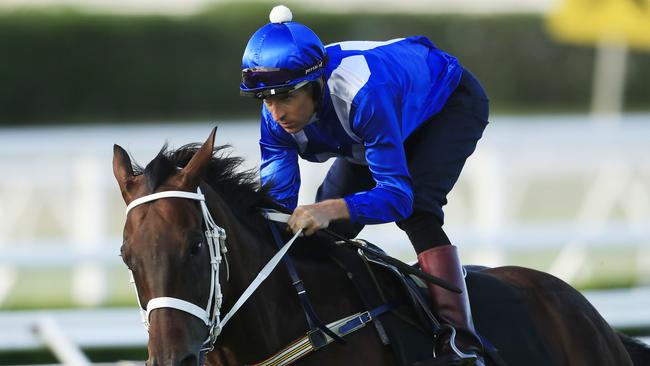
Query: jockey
{"x": 400, "y": 117}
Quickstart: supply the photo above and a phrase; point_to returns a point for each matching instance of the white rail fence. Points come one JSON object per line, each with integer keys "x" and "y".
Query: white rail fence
{"x": 535, "y": 182}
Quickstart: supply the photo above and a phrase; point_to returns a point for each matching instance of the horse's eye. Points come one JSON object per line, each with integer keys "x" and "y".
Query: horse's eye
{"x": 123, "y": 254}
{"x": 196, "y": 248}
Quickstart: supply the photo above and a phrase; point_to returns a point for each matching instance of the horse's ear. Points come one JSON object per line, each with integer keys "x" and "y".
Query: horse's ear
{"x": 123, "y": 170}
{"x": 193, "y": 171}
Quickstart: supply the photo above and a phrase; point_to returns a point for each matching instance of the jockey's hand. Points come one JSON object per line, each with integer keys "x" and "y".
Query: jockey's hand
{"x": 314, "y": 217}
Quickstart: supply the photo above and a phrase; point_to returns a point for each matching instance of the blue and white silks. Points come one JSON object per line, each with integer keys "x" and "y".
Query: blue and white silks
{"x": 376, "y": 94}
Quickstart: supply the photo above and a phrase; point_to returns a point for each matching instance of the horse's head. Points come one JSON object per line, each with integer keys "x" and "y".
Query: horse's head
{"x": 169, "y": 255}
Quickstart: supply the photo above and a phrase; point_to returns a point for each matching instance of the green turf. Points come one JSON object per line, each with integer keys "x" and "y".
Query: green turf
{"x": 44, "y": 356}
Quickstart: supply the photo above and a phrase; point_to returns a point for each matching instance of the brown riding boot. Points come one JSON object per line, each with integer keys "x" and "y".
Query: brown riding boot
{"x": 460, "y": 344}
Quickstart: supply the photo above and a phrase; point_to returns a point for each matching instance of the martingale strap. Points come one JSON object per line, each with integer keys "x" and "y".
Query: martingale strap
{"x": 342, "y": 327}
{"x": 316, "y": 326}
{"x": 319, "y": 335}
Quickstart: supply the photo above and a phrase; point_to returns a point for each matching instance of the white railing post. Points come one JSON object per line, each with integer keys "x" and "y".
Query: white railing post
{"x": 12, "y": 209}
{"x": 488, "y": 185}
{"x": 89, "y": 281}
{"x": 599, "y": 202}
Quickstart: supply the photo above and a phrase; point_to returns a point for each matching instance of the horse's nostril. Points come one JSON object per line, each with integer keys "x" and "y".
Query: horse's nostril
{"x": 189, "y": 360}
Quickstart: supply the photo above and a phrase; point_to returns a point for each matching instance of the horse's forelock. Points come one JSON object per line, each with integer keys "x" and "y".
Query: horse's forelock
{"x": 158, "y": 170}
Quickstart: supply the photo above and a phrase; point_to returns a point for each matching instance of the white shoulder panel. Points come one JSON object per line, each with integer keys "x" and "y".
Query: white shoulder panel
{"x": 362, "y": 45}
{"x": 344, "y": 84}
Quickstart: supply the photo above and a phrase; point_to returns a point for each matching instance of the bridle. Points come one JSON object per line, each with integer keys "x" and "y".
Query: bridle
{"x": 216, "y": 238}
{"x": 211, "y": 314}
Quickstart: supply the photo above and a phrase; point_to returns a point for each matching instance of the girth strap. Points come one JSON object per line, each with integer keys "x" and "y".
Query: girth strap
{"x": 316, "y": 326}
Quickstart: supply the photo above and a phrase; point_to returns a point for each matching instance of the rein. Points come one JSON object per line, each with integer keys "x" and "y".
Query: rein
{"x": 216, "y": 237}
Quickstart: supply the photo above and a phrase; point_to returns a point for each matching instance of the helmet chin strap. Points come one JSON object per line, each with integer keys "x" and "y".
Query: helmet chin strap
{"x": 317, "y": 92}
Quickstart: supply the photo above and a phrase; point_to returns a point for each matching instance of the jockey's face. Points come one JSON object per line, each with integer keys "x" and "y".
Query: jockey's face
{"x": 292, "y": 111}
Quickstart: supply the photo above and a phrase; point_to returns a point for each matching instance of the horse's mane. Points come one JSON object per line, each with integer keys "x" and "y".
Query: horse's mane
{"x": 239, "y": 188}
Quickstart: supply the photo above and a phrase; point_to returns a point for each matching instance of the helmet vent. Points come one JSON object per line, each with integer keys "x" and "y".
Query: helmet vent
{"x": 280, "y": 14}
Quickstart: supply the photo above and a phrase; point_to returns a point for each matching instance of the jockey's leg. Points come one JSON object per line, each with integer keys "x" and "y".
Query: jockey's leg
{"x": 436, "y": 154}
{"x": 459, "y": 345}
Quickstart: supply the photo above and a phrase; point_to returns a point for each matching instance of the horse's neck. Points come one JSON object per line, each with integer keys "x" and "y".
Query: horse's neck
{"x": 273, "y": 317}
{"x": 249, "y": 330}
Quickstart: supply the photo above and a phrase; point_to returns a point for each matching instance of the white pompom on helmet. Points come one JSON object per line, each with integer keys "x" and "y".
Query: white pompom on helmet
{"x": 281, "y": 55}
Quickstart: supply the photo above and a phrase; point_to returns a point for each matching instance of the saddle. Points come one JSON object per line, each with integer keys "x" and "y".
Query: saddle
{"x": 411, "y": 330}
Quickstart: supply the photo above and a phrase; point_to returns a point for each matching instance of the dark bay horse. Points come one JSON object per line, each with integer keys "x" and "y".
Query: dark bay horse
{"x": 533, "y": 318}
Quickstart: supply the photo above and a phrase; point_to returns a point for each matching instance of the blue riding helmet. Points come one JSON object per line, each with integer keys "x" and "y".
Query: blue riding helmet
{"x": 281, "y": 57}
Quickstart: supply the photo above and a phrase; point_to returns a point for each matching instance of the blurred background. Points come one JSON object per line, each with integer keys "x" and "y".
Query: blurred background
{"x": 560, "y": 181}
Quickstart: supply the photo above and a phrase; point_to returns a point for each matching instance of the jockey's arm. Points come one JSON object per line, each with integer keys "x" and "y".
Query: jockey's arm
{"x": 392, "y": 198}
{"x": 279, "y": 168}
{"x": 377, "y": 123}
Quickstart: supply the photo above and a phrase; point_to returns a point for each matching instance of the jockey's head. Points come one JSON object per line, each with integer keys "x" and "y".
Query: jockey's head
{"x": 281, "y": 56}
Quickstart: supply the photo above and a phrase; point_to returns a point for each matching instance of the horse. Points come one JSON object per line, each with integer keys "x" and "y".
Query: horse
{"x": 186, "y": 204}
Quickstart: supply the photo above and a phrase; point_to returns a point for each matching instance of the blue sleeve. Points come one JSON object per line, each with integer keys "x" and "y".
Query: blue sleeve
{"x": 279, "y": 163}
{"x": 376, "y": 121}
